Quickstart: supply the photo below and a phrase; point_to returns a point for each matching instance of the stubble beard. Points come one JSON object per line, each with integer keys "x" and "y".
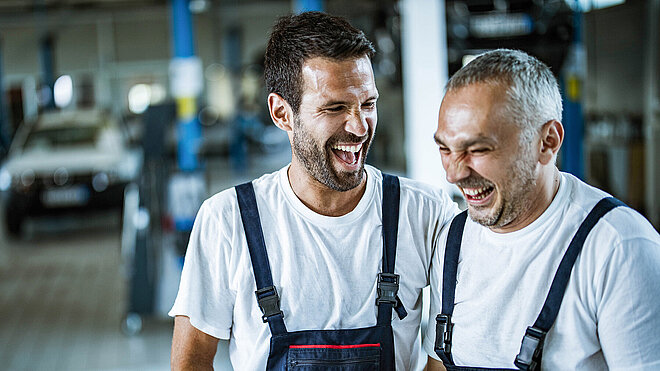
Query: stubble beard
{"x": 516, "y": 193}
{"x": 317, "y": 158}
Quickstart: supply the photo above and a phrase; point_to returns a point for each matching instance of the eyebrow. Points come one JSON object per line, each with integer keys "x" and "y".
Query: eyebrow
{"x": 466, "y": 143}
{"x": 341, "y": 102}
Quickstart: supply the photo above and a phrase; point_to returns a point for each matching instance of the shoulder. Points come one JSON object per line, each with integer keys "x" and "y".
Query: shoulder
{"x": 221, "y": 209}
{"x": 422, "y": 204}
{"x": 622, "y": 242}
{"x": 415, "y": 190}
{"x": 227, "y": 200}
{"x": 618, "y": 225}
{"x": 219, "y": 204}
{"x": 427, "y": 200}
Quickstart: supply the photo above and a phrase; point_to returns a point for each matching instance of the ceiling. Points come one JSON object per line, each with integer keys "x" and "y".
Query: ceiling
{"x": 30, "y": 6}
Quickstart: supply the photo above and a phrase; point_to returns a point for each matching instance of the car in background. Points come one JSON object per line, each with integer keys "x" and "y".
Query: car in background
{"x": 64, "y": 161}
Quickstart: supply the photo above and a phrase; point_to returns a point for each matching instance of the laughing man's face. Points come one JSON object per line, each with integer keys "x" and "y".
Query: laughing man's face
{"x": 482, "y": 154}
{"x": 336, "y": 120}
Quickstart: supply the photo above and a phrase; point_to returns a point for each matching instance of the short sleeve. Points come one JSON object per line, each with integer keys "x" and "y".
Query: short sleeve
{"x": 204, "y": 293}
{"x": 628, "y": 311}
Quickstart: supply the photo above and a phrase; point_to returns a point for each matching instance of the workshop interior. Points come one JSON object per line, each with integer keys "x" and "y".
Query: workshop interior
{"x": 119, "y": 118}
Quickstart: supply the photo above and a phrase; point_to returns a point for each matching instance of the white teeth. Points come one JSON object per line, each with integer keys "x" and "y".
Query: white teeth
{"x": 354, "y": 148}
{"x": 474, "y": 191}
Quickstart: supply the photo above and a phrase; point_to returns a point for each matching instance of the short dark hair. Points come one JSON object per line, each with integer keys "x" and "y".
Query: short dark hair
{"x": 297, "y": 38}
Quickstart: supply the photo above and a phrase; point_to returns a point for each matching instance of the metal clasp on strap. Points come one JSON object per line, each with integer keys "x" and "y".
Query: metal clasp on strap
{"x": 388, "y": 286}
{"x": 443, "y": 332}
{"x": 269, "y": 302}
{"x": 531, "y": 349}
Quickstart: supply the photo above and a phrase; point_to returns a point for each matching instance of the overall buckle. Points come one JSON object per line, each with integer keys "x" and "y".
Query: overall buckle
{"x": 388, "y": 286}
{"x": 443, "y": 332}
{"x": 269, "y": 302}
{"x": 531, "y": 349}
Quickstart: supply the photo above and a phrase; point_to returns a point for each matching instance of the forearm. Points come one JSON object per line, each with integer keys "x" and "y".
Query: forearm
{"x": 434, "y": 365}
{"x": 191, "y": 349}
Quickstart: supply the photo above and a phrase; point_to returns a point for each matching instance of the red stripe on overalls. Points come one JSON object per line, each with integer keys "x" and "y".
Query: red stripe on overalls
{"x": 333, "y": 346}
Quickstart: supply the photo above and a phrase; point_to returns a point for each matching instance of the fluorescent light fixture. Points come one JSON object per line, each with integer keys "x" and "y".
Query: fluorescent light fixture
{"x": 586, "y": 5}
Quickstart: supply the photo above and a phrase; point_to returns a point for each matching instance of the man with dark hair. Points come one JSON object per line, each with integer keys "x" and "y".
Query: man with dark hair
{"x": 320, "y": 264}
{"x": 547, "y": 272}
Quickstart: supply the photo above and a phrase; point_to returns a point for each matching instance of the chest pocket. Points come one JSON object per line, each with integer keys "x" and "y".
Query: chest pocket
{"x": 360, "y": 357}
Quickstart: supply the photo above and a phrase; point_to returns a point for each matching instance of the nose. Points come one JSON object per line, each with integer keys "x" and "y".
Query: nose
{"x": 455, "y": 167}
{"x": 357, "y": 124}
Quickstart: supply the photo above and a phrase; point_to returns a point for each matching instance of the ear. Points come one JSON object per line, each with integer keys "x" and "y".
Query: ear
{"x": 280, "y": 112}
{"x": 552, "y": 135}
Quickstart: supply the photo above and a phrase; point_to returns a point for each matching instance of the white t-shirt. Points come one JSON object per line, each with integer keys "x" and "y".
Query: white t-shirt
{"x": 610, "y": 313}
{"x": 324, "y": 268}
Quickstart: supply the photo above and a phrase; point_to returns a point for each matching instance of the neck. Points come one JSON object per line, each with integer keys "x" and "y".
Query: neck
{"x": 540, "y": 197}
{"x": 321, "y": 199}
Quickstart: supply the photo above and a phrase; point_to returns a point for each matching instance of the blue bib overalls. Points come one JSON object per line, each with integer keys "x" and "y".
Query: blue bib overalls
{"x": 531, "y": 349}
{"x": 369, "y": 348}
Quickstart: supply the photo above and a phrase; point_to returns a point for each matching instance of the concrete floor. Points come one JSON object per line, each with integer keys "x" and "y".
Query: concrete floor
{"x": 63, "y": 298}
{"x": 63, "y": 293}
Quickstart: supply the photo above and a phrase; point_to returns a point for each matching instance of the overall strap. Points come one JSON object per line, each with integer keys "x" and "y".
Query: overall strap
{"x": 388, "y": 282}
{"x": 450, "y": 269}
{"x": 532, "y": 344}
{"x": 444, "y": 326}
{"x": 267, "y": 297}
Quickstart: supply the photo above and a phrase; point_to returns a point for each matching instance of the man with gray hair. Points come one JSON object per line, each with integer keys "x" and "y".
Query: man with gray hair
{"x": 547, "y": 271}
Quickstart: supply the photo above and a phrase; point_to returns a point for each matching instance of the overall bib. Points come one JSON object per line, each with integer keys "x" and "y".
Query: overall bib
{"x": 369, "y": 348}
{"x": 531, "y": 349}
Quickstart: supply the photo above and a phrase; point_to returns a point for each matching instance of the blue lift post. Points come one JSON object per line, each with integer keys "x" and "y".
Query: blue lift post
{"x": 185, "y": 66}
{"x": 187, "y": 186}
{"x": 572, "y": 83}
{"x": 308, "y": 6}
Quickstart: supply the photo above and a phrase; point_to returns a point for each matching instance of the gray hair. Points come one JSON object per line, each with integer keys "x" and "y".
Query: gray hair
{"x": 532, "y": 91}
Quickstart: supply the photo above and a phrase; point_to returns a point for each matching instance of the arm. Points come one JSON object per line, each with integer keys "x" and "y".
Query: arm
{"x": 434, "y": 365}
{"x": 192, "y": 349}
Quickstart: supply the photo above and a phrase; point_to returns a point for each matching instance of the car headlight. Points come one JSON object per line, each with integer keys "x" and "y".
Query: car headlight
{"x": 61, "y": 176}
{"x": 27, "y": 178}
{"x": 5, "y": 179}
{"x": 100, "y": 182}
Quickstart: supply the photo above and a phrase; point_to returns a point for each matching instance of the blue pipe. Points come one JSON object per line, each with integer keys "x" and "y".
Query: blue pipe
{"x": 232, "y": 50}
{"x": 48, "y": 68}
{"x": 4, "y": 137}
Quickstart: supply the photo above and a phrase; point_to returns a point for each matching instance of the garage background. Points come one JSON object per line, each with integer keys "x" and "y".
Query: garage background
{"x": 89, "y": 290}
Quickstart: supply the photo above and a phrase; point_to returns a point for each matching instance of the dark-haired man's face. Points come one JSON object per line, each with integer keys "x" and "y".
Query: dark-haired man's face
{"x": 336, "y": 120}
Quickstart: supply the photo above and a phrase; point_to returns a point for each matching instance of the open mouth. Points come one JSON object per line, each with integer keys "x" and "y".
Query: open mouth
{"x": 477, "y": 194}
{"x": 349, "y": 154}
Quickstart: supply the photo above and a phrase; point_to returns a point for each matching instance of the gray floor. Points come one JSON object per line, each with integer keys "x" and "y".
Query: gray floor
{"x": 63, "y": 298}
{"x": 63, "y": 293}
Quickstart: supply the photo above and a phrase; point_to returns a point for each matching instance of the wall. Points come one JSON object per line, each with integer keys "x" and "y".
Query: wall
{"x": 121, "y": 48}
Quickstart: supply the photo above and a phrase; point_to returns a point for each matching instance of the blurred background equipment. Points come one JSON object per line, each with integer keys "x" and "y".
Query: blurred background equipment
{"x": 124, "y": 115}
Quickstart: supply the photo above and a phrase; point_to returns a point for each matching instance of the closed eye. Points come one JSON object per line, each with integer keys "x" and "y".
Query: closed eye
{"x": 479, "y": 150}
{"x": 369, "y": 105}
{"x": 334, "y": 108}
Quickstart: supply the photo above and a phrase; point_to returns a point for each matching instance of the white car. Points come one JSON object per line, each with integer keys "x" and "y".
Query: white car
{"x": 66, "y": 160}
